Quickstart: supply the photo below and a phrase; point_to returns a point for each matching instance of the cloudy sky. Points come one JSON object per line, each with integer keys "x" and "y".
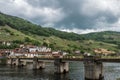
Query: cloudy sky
{"x": 79, "y": 16}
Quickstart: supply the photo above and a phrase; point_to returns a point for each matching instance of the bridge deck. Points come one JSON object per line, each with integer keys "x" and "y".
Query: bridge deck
{"x": 117, "y": 60}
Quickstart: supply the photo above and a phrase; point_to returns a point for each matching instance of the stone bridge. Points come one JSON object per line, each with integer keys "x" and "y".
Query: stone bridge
{"x": 93, "y": 65}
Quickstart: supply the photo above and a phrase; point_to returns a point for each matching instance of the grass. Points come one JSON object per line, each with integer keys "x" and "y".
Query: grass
{"x": 9, "y": 34}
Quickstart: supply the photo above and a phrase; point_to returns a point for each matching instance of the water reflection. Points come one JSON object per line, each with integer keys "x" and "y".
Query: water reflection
{"x": 111, "y": 72}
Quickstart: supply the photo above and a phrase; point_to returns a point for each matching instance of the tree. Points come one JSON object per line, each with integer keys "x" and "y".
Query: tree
{"x": 51, "y": 46}
{"x": 82, "y": 51}
{"x": 37, "y": 43}
{"x": 27, "y": 39}
{"x": 2, "y": 23}
{"x": 45, "y": 44}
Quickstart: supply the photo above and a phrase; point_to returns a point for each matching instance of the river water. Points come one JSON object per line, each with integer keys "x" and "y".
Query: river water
{"x": 111, "y": 72}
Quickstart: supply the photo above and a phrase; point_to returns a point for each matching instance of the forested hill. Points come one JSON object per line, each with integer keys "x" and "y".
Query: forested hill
{"x": 28, "y": 27}
{"x": 106, "y": 36}
{"x": 21, "y": 31}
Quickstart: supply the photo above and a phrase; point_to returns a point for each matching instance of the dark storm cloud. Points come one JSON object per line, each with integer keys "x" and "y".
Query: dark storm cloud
{"x": 74, "y": 18}
{"x": 80, "y": 16}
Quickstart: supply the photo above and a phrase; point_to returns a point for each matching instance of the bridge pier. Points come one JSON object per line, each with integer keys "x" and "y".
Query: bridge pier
{"x": 14, "y": 62}
{"x": 10, "y": 61}
{"x": 41, "y": 65}
{"x": 17, "y": 62}
{"x": 24, "y": 63}
{"x": 37, "y": 64}
{"x": 60, "y": 66}
{"x": 93, "y": 68}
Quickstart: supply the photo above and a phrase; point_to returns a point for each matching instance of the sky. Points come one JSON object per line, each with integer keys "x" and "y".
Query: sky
{"x": 79, "y": 16}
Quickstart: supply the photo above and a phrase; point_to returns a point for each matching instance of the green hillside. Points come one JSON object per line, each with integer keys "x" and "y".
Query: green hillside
{"x": 21, "y": 31}
{"x": 9, "y": 34}
{"x": 27, "y": 27}
{"x": 106, "y": 36}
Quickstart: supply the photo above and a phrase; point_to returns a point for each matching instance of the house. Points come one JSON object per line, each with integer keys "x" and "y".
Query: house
{"x": 57, "y": 54}
{"x": 32, "y": 54}
{"x": 38, "y": 49}
{"x": 87, "y": 54}
{"x": 63, "y": 53}
{"x": 77, "y": 52}
{"x": 8, "y": 43}
{"x": 102, "y": 51}
{"x": 31, "y": 51}
{"x": 22, "y": 45}
{"x": 5, "y": 52}
{"x": 44, "y": 49}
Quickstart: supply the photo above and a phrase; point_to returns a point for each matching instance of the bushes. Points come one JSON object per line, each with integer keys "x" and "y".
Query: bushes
{"x": 31, "y": 41}
{"x": 12, "y": 46}
{"x": 2, "y": 23}
{"x": 18, "y": 41}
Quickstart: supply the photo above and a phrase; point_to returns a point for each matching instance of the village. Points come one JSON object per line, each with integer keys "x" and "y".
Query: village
{"x": 30, "y": 51}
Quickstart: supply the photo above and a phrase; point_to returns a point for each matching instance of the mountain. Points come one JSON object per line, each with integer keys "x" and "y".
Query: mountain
{"x": 21, "y": 31}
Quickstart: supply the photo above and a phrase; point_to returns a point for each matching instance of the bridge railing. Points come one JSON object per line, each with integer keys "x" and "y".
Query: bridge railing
{"x": 50, "y": 57}
{"x": 69, "y": 57}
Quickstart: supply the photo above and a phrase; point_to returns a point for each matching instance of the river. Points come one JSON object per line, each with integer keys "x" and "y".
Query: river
{"x": 111, "y": 72}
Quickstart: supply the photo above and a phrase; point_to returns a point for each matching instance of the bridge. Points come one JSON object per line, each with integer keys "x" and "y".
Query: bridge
{"x": 93, "y": 65}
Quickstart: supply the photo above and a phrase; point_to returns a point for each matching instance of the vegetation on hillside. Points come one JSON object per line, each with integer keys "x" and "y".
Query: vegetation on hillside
{"x": 111, "y": 37}
{"x": 21, "y": 31}
{"x": 27, "y": 27}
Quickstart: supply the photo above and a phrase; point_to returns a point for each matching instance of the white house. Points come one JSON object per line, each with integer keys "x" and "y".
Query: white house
{"x": 38, "y": 49}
